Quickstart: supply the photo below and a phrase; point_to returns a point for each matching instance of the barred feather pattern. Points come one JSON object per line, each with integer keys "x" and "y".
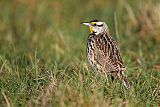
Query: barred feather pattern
{"x": 104, "y": 56}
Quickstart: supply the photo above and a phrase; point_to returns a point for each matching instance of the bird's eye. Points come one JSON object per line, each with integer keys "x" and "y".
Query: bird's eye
{"x": 95, "y": 24}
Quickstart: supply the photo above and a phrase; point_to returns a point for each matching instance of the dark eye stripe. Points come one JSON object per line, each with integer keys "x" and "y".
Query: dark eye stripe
{"x": 100, "y": 25}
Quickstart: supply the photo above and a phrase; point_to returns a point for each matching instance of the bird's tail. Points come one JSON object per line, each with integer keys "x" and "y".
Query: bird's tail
{"x": 125, "y": 80}
{"x": 126, "y": 83}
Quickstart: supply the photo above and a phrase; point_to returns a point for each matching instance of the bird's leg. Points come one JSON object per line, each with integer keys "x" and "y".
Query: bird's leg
{"x": 106, "y": 80}
{"x": 113, "y": 75}
{"x": 112, "y": 78}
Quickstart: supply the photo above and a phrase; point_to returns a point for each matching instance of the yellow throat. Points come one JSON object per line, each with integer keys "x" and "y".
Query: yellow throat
{"x": 91, "y": 29}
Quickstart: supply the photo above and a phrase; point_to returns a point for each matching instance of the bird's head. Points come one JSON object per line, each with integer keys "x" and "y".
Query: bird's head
{"x": 96, "y": 27}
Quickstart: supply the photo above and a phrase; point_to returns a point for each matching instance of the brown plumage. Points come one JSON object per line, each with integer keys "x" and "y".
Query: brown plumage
{"x": 103, "y": 52}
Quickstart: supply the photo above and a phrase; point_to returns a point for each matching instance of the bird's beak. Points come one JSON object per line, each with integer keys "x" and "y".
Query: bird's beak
{"x": 86, "y": 23}
{"x": 90, "y": 26}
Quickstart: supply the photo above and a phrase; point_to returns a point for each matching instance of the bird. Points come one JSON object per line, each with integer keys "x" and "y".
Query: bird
{"x": 103, "y": 52}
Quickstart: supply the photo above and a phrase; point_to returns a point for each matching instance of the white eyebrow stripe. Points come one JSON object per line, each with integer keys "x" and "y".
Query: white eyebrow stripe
{"x": 99, "y": 23}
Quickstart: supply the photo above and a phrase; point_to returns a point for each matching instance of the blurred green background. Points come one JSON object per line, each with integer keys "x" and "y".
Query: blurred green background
{"x": 43, "y": 53}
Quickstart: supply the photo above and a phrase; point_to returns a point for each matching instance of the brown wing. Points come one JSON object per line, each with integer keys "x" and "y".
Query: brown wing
{"x": 104, "y": 53}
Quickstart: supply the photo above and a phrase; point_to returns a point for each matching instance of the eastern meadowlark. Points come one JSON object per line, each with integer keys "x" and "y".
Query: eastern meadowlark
{"x": 103, "y": 52}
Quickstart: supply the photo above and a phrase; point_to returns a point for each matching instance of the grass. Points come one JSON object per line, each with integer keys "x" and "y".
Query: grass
{"x": 43, "y": 54}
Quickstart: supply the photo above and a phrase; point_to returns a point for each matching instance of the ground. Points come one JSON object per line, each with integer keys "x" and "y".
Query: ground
{"x": 43, "y": 53}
